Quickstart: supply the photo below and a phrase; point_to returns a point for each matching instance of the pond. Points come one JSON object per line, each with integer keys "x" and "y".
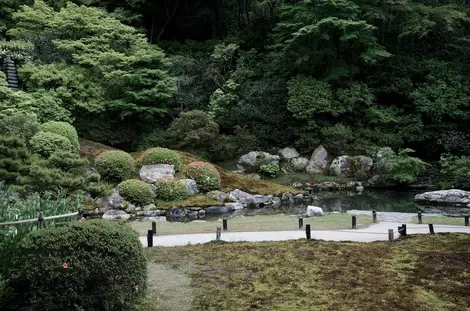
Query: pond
{"x": 368, "y": 200}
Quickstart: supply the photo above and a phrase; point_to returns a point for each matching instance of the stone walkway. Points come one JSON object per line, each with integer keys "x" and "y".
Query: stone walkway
{"x": 376, "y": 232}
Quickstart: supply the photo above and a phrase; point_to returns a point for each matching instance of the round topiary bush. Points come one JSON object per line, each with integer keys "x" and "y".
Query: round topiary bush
{"x": 206, "y": 175}
{"x": 160, "y": 155}
{"x": 94, "y": 265}
{"x": 115, "y": 165}
{"x": 65, "y": 129}
{"x": 45, "y": 143}
{"x": 171, "y": 189}
{"x": 136, "y": 191}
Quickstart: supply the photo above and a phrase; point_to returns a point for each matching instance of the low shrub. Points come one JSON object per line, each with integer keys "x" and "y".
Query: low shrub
{"x": 136, "y": 191}
{"x": 401, "y": 167}
{"x": 171, "y": 189}
{"x": 46, "y": 143}
{"x": 160, "y": 156}
{"x": 271, "y": 169}
{"x": 206, "y": 175}
{"x": 94, "y": 265}
{"x": 115, "y": 165}
{"x": 65, "y": 129}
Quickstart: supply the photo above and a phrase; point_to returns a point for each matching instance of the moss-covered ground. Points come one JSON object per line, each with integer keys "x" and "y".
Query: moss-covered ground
{"x": 255, "y": 223}
{"x": 428, "y": 272}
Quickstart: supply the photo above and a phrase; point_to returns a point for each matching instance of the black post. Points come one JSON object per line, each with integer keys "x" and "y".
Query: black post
{"x": 354, "y": 222}
{"x": 374, "y": 216}
{"x": 301, "y": 222}
{"x": 466, "y": 221}
{"x": 224, "y": 224}
{"x": 420, "y": 218}
{"x": 431, "y": 228}
{"x": 402, "y": 230}
{"x": 41, "y": 223}
{"x": 307, "y": 232}
{"x": 154, "y": 227}
{"x": 390, "y": 234}
{"x": 150, "y": 238}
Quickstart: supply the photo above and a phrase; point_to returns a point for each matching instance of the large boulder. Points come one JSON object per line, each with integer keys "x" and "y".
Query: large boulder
{"x": 445, "y": 197}
{"x": 191, "y": 187}
{"x": 288, "y": 153}
{"x": 250, "y": 162}
{"x": 154, "y": 172}
{"x": 318, "y": 161}
{"x": 217, "y": 195}
{"x": 247, "y": 199}
{"x": 114, "y": 201}
{"x": 114, "y": 214}
{"x": 361, "y": 164}
{"x": 314, "y": 211}
{"x": 298, "y": 164}
{"x": 340, "y": 166}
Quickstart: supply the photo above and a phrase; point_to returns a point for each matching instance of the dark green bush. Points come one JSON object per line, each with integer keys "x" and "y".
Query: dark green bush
{"x": 401, "y": 167}
{"x": 95, "y": 265}
{"x": 115, "y": 165}
{"x": 46, "y": 143}
{"x": 160, "y": 155}
{"x": 65, "y": 129}
{"x": 21, "y": 125}
{"x": 206, "y": 175}
{"x": 136, "y": 191}
{"x": 455, "y": 172}
{"x": 171, "y": 189}
{"x": 271, "y": 169}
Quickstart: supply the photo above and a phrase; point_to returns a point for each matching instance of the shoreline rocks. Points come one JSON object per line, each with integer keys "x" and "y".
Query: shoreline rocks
{"x": 453, "y": 197}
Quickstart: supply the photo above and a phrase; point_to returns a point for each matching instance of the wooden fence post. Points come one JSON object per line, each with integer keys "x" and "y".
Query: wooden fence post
{"x": 390, "y": 234}
{"x": 374, "y": 216}
{"x": 308, "y": 232}
{"x": 150, "y": 238}
{"x": 354, "y": 222}
{"x": 41, "y": 222}
{"x": 402, "y": 230}
{"x": 466, "y": 221}
{"x": 224, "y": 224}
{"x": 420, "y": 218}
{"x": 154, "y": 227}
{"x": 301, "y": 222}
{"x": 431, "y": 228}
{"x": 218, "y": 233}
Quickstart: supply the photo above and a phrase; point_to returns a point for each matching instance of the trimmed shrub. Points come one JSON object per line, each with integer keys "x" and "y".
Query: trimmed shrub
{"x": 94, "y": 265}
{"x": 171, "y": 189}
{"x": 115, "y": 165}
{"x": 136, "y": 191}
{"x": 270, "y": 169}
{"x": 160, "y": 156}
{"x": 206, "y": 175}
{"x": 65, "y": 129}
{"x": 46, "y": 143}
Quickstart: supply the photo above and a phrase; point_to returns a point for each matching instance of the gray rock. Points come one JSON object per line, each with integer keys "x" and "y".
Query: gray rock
{"x": 318, "y": 161}
{"x": 149, "y": 207}
{"x": 360, "y": 188}
{"x": 192, "y": 215}
{"x": 298, "y": 164}
{"x": 250, "y": 162}
{"x": 288, "y": 153}
{"x": 246, "y": 198}
{"x": 234, "y": 205}
{"x": 201, "y": 213}
{"x": 255, "y": 176}
{"x": 191, "y": 187}
{"x": 114, "y": 200}
{"x": 217, "y": 195}
{"x": 362, "y": 164}
{"x": 287, "y": 197}
{"x": 114, "y": 214}
{"x": 218, "y": 209}
{"x": 328, "y": 185}
{"x": 314, "y": 211}
{"x": 447, "y": 197}
{"x": 298, "y": 184}
{"x": 130, "y": 208}
{"x": 154, "y": 172}
{"x": 340, "y": 166}
{"x": 176, "y": 213}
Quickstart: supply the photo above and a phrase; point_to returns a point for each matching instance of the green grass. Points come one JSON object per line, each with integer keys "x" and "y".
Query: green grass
{"x": 255, "y": 223}
{"x": 427, "y": 272}
{"x": 440, "y": 220}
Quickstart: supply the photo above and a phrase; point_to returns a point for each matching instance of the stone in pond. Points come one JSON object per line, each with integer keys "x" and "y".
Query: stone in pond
{"x": 314, "y": 211}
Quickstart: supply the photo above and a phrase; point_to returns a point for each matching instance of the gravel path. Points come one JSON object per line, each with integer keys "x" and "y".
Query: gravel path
{"x": 376, "y": 232}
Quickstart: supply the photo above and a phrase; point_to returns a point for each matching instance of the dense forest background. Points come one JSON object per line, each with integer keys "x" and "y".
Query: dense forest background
{"x": 351, "y": 75}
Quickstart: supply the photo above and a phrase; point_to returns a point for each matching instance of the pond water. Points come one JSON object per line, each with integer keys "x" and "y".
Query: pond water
{"x": 368, "y": 200}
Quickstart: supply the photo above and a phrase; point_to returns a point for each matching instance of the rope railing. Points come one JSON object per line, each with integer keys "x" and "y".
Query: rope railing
{"x": 38, "y": 219}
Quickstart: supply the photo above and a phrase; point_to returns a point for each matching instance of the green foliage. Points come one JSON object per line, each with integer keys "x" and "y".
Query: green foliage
{"x": 228, "y": 147}
{"x": 193, "y": 130}
{"x": 95, "y": 265}
{"x": 21, "y": 125}
{"x": 271, "y": 169}
{"x": 160, "y": 156}
{"x": 455, "y": 172}
{"x": 206, "y": 176}
{"x": 171, "y": 189}
{"x": 65, "y": 129}
{"x": 115, "y": 165}
{"x": 136, "y": 191}
{"x": 14, "y": 160}
{"x": 46, "y": 143}
{"x": 401, "y": 167}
